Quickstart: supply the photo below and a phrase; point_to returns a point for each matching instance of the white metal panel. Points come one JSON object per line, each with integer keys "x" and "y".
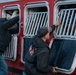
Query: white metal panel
{"x": 11, "y": 51}
{"x": 34, "y": 21}
{"x": 67, "y": 27}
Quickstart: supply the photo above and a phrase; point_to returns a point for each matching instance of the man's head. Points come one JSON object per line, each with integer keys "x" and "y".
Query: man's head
{"x": 44, "y": 32}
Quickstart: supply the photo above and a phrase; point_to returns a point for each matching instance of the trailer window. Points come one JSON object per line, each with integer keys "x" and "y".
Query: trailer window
{"x": 63, "y": 55}
{"x": 11, "y": 51}
{"x": 35, "y": 16}
{"x": 67, "y": 15}
{"x": 7, "y": 12}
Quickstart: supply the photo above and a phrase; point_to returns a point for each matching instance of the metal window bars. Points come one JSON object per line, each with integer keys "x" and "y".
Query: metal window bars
{"x": 34, "y": 21}
{"x": 67, "y": 29}
{"x": 11, "y": 51}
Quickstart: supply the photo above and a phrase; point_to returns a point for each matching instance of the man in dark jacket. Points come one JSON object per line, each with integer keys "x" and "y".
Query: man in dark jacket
{"x": 5, "y": 39}
{"x": 37, "y": 58}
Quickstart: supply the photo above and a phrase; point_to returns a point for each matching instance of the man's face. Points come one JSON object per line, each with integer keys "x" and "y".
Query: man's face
{"x": 47, "y": 36}
{"x": 8, "y": 16}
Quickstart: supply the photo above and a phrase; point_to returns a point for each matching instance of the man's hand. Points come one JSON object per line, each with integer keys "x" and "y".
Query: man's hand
{"x": 54, "y": 70}
{"x": 58, "y": 23}
{"x": 15, "y": 14}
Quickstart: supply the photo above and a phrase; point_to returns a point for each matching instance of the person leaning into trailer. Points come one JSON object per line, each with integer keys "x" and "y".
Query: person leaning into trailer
{"x": 37, "y": 57}
{"x": 6, "y": 29}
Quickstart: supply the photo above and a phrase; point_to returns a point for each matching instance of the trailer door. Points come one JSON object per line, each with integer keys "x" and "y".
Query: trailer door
{"x": 63, "y": 48}
{"x": 36, "y": 15}
{"x": 63, "y": 55}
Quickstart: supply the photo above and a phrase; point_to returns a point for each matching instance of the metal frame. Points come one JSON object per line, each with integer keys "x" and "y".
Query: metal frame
{"x": 56, "y": 12}
{"x": 33, "y": 5}
{"x": 62, "y": 31}
{"x": 71, "y": 70}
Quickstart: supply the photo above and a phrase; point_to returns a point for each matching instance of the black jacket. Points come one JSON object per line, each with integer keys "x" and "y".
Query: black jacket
{"x": 5, "y": 33}
{"x": 38, "y": 62}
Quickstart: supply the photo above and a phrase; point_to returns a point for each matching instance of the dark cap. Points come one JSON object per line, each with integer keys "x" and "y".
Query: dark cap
{"x": 42, "y": 31}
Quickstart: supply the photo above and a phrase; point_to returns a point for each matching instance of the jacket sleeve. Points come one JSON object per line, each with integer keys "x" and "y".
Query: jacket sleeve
{"x": 8, "y": 24}
{"x": 15, "y": 30}
{"x": 52, "y": 28}
{"x": 43, "y": 62}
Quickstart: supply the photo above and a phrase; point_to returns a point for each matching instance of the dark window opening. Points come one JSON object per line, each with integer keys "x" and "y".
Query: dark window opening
{"x": 37, "y": 9}
{"x": 68, "y": 6}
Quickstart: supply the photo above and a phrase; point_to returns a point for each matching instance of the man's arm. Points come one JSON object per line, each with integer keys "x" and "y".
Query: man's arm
{"x": 8, "y": 24}
{"x": 15, "y": 29}
{"x": 52, "y": 28}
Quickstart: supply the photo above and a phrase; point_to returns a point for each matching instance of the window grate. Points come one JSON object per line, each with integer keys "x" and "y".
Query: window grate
{"x": 11, "y": 51}
{"x": 34, "y": 21}
{"x": 67, "y": 27}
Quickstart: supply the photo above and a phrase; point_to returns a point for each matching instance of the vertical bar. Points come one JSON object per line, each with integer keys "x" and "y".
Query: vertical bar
{"x": 30, "y": 24}
{"x": 39, "y": 22}
{"x": 63, "y": 22}
{"x": 37, "y": 17}
{"x": 67, "y": 21}
{"x": 33, "y": 24}
{"x": 42, "y": 20}
{"x": 70, "y": 23}
{"x": 45, "y": 20}
{"x": 75, "y": 28}
{"x": 73, "y": 25}
{"x": 27, "y": 23}
{"x": 61, "y": 14}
